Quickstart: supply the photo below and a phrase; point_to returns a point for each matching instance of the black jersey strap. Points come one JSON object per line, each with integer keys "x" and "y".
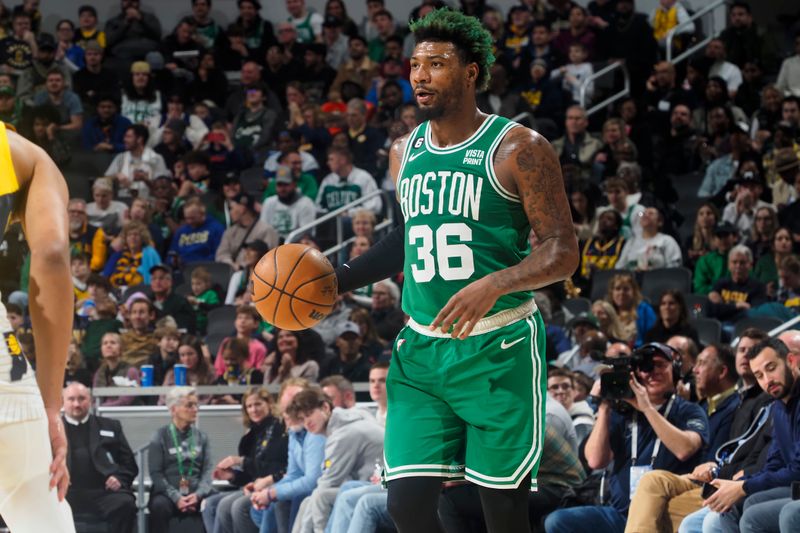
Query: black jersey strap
{"x": 384, "y": 259}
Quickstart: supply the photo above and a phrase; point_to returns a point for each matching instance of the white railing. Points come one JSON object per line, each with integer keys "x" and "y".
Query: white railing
{"x": 625, "y": 91}
{"x": 340, "y": 240}
{"x": 710, "y": 32}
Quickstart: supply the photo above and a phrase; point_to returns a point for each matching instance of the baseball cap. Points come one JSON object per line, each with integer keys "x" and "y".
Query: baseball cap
{"x": 749, "y": 178}
{"x": 725, "y": 228}
{"x": 260, "y": 247}
{"x": 46, "y": 40}
{"x": 244, "y": 199}
{"x": 540, "y": 62}
{"x": 332, "y": 22}
{"x": 164, "y": 267}
{"x": 583, "y": 319}
{"x": 94, "y": 46}
{"x": 740, "y": 127}
{"x": 231, "y": 178}
{"x": 349, "y": 327}
{"x": 283, "y": 174}
{"x": 140, "y": 66}
{"x": 785, "y": 160}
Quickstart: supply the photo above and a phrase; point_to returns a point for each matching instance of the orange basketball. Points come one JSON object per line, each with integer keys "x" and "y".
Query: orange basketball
{"x": 294, "y": 286}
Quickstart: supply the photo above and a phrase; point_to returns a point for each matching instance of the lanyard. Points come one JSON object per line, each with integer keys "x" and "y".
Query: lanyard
{"x": 179, "y": 451}
{"x": 635, "y": 435}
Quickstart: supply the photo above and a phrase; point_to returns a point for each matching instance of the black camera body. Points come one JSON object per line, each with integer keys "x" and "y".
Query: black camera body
{"x": 615, "y": 384}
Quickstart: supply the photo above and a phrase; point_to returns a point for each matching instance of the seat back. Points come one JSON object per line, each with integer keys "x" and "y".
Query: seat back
{"x": 709, "y": 330}
{"x": 655, "y": 282}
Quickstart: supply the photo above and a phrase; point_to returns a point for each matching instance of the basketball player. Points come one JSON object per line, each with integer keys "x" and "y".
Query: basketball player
{"x": 33, "y": 472}
{"x": 466, "y": 387}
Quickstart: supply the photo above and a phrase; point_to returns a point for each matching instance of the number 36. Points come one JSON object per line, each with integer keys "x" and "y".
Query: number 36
{"x": 446, "y": 252}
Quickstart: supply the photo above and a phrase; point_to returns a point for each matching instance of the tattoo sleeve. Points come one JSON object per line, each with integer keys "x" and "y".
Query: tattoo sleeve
{"x": 537, "y": 173}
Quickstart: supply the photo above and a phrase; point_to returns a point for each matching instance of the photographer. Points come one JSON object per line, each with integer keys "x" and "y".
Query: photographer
{"x": 663, "y": 431}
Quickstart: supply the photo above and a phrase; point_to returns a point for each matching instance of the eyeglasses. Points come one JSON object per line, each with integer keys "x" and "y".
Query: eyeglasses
{"x": 559, "y": 386}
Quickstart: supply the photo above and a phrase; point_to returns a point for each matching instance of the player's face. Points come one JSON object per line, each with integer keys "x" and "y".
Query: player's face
{"x": 76, "y": 402}
{"x": 560, "y": 388}
{"x": 439, "y": 79}
{"x": 377, "y": 385}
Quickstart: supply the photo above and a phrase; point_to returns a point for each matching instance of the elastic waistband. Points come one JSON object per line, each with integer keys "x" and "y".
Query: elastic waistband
{"x": 484, "y": 325}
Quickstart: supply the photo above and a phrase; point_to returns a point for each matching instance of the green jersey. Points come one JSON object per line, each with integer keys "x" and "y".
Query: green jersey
{"x": 461, "y": 224}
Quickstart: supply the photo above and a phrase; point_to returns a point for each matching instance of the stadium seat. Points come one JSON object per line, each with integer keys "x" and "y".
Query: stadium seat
{"x": 600, "y": 280}
{"x": 765, "y": 323}
{"x": 184, "y": 289}
{"x": 220, "y": 272}
{"x": 220, "y": 325}
{"x": 709, "y": 330}
{"x": 252, "y": 181}
{"x": 655, "y": 282}
{"x": 577, "y": 305}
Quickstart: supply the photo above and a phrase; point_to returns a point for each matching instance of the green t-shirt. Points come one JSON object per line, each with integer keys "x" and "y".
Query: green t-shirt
{"x": 306, "y": 184}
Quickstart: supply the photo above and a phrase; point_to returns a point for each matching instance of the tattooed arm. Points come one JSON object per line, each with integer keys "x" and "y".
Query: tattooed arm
{"x": 525, "y": 164}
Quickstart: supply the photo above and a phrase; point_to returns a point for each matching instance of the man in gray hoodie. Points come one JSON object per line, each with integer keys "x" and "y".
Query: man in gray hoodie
{"x": 354, "y": 444}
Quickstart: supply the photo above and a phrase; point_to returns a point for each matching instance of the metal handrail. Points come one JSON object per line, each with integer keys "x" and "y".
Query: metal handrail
{"x": 625, "y": 91}
{"x": 774, "y": 332}
{"x": 709, "y": 34}
{"x": 201, "y": 391}
{"x": 341, "y": 243}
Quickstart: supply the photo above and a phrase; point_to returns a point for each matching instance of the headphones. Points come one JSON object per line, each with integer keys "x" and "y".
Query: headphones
{"x": 659, "y": 348}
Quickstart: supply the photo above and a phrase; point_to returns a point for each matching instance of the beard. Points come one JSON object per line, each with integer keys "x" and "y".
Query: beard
{"x": 440, "y": 109}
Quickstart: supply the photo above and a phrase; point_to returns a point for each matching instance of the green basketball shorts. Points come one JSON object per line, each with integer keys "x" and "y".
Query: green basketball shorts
{"x": 467, "y": 409}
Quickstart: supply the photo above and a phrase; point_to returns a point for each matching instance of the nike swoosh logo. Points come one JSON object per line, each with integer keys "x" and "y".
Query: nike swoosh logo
{"x": 505, "y": 346}
{"x": 413, "y": 157}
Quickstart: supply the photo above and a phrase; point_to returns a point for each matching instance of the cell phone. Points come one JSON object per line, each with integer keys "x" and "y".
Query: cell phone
{"x": 708, "y": 490}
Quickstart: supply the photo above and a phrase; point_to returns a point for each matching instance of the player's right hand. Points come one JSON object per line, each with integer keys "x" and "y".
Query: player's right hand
{"x": 59, "y": 475}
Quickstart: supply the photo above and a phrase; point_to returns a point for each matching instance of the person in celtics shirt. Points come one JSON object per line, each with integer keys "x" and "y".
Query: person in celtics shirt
{"x": 468, "y": 370}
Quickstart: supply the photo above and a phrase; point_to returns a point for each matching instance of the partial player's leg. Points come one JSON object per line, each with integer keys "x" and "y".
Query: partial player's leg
{"x": 498, "y": 388}
{"x": 424, "y": 439}
{"x": 506, "y": 510}
{"x": 26, "y": 502}
{"x": 413, "y": 504}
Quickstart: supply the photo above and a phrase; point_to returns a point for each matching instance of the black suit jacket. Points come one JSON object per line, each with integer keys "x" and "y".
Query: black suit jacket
{"x": 111, "y": 454}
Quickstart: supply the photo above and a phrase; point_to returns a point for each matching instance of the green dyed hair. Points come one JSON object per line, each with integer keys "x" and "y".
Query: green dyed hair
{"x": 473, "y": 42}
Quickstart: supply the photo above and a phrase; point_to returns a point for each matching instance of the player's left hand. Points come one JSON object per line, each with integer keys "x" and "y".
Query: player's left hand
{"x": 59, "y": 475}
{"x": 466, "y": 307}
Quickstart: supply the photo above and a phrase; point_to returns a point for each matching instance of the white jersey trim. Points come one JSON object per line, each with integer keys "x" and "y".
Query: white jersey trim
{"x": 463, "y": 144}
{"x": 484, "y": 325}
{"x": 498, "y": 187}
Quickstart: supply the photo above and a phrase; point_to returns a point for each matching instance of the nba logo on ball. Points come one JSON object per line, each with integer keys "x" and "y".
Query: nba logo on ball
{"x": 294, "y": 287}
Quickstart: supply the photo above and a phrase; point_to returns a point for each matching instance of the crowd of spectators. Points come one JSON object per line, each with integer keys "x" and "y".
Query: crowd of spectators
{"x": 216, "y": 142}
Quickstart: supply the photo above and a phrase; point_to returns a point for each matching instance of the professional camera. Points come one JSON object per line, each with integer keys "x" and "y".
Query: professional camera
{"x": 615, "y": 383}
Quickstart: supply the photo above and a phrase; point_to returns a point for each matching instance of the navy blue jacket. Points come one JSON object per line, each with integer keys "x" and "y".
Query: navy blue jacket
{"x": 719, "y": 424}
{"x": 93, "y": 133}
{"x": 783, "y": 461}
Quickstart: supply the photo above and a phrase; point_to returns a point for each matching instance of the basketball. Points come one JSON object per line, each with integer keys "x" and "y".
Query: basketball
{"x": 294, "y": 287}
